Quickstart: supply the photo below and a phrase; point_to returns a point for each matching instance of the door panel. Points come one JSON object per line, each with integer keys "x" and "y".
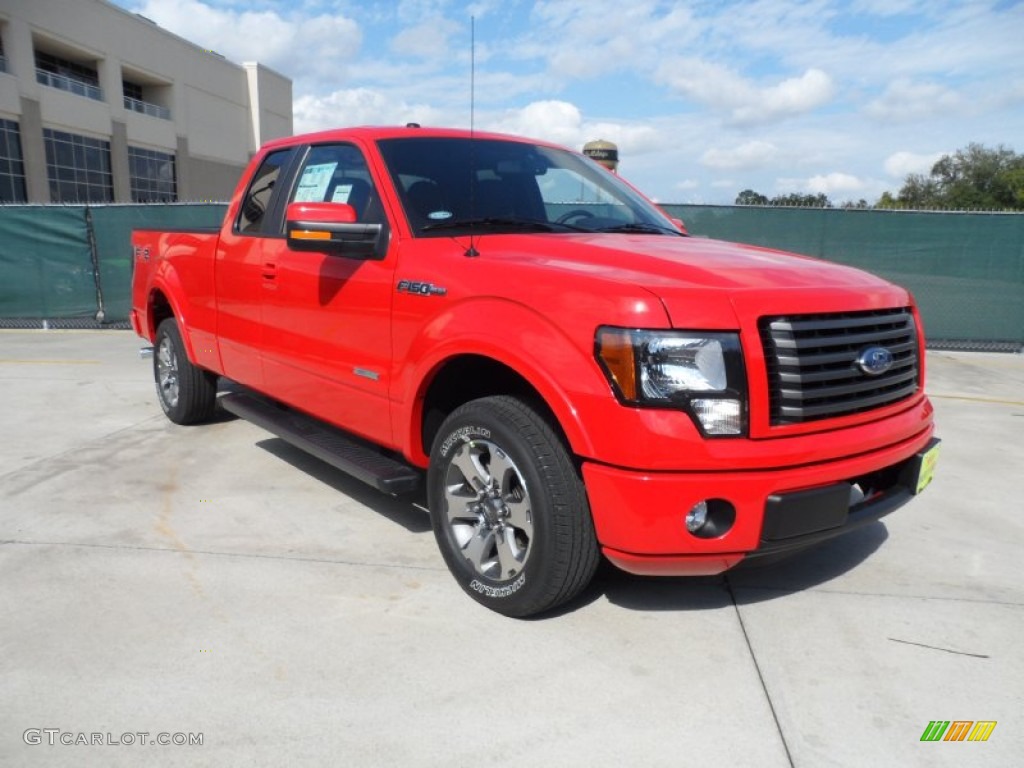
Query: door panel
{"x": 326, "y": 320}
{"x": 240, "y": 280}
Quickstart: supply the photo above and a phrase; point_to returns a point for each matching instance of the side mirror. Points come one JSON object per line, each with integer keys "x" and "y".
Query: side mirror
{"x": 679, "y": 224}
{"x": 332, "y": 228}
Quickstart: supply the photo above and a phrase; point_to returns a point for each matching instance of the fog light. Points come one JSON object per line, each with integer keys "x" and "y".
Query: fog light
{"x": 697, "y": 517}
{"x": 710, "y": 518}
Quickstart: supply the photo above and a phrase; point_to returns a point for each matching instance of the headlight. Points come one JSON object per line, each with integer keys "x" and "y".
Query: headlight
{"x": 700, "y": 372}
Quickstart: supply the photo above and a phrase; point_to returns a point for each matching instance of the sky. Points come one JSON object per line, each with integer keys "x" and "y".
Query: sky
{"x": 704, "y": 98}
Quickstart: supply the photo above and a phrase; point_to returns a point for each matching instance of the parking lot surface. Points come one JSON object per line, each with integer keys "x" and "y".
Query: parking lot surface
{"x": 213, "y": 582}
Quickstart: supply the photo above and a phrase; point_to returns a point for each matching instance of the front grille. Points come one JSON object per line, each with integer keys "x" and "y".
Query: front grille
{"x": 812, "y": 369}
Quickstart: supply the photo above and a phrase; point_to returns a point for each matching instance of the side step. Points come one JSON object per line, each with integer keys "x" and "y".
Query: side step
{"x": 342, "y": 451}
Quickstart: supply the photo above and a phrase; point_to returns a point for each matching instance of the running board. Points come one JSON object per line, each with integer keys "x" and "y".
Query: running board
{"x": 347, "y": 453}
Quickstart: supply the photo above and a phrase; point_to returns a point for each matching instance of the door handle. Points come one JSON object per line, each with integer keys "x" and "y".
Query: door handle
{"x": 269, "y": 271}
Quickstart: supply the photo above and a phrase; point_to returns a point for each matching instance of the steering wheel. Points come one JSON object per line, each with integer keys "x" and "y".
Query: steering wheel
{"x": 576, "y": 213}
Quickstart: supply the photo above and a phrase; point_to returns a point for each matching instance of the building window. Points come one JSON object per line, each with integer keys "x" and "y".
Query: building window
{"x": 152, "y": 176}
{"x": 12, "y": 167}
{"x": 78, "y": 167}
{"x": 68, "y": 75}
{"x": 3, "y": 58}
{"x": 135, "y": 100}
{"x": 132, "y": 90}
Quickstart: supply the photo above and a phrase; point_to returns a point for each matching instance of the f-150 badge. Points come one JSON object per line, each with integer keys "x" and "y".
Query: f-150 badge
{"x": 420, "y": 289}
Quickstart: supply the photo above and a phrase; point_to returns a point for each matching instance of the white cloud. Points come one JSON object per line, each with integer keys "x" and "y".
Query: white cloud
{"x": 557, "y": 121}
{"x": 744, "y": 102}
{"x": 891, "y": 7}
{"x": 905, "y": 100}
{"x": 900, "y": 164}
{"x": 686, "y": 185}
{"x": 327, "y": 42}
{"x": 634, "y": 139}
{"x": 358, "y": 106}
{"x": 562, "y": 122}
{"x": 835, "y": 184}
{"x": 794, "y": 96}
{"x": 429, "y": 39}
{"x": 752, "y": 154}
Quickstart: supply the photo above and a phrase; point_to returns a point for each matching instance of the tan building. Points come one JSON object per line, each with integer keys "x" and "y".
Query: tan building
{"x": 98, "y": 104}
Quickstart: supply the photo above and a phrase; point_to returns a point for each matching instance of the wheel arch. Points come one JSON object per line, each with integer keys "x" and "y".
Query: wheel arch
{"x": 455, "y": 358}
{"x": 162, "y": 304}
{"x": 467, "y": 377}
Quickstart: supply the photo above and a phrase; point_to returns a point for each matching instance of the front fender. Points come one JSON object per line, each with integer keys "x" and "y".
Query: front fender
{"x": 558, "y": 362}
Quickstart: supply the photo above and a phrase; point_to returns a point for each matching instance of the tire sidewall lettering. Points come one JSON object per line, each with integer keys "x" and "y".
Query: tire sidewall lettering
{"x": 498, "y": 592}
{"x": 462, "y": 436}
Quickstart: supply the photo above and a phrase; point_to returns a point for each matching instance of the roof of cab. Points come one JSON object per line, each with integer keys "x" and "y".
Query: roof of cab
{"x": 373, "y": 133}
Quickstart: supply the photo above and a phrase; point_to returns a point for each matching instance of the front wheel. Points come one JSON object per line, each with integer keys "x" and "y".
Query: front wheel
{"x": 187, "y": 394}
{"x": 508, "y": 508}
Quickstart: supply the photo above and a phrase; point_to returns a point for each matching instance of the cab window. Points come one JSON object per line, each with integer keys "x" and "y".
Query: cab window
{"x": 253, "y": 216}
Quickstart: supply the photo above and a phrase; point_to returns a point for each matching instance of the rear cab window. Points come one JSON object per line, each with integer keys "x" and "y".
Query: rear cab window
{"x": 256, "y": 216}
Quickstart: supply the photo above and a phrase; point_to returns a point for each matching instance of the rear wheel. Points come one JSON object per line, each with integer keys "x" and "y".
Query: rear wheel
{"x": 187, "y": 394}
{"x": 508, "y": 508}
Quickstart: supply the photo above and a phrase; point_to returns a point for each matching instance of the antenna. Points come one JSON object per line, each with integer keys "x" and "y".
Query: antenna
{"x": 472, "y": 252}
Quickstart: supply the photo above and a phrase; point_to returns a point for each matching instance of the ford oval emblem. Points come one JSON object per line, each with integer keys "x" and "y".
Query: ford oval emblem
{"x": 875, "y": 361}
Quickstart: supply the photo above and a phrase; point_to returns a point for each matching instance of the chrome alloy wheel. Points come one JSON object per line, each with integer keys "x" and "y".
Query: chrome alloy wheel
{"x": 488, "y": 509}
{"x": 167, "y": 372}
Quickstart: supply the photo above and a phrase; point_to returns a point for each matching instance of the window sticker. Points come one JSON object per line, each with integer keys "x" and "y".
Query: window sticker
{"x": 341, "y": 193}
{"x": 313, "y": 184}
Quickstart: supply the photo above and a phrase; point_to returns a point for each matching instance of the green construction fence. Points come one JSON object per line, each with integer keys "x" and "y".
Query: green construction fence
{"x": 71, "y": 265}
{"x": 966, "y": 270}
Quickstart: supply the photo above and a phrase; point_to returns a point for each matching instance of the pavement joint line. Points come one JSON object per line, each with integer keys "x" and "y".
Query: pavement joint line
{"x": 757, "y": 668}
{"x": 937, "y": 648}
{"x": 240, "y": 555}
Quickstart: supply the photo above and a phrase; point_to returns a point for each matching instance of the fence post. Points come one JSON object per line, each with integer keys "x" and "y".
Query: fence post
{"x": 95, "y": 258}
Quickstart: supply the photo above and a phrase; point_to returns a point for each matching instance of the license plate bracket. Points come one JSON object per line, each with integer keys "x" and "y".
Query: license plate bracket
{"x": 921, "y": 469}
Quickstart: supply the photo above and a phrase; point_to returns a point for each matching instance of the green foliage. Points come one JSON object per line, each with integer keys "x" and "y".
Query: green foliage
{"x": 750, "y": 197}
{"x": 973, "y": 178}
{"x": 793, "y": 199}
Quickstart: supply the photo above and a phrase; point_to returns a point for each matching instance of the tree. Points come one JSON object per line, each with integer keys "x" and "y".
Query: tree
{"x": 971, "y": 178}
{"x": 793, "y": 199}
{"x": 750, "y": 197}
{"x": 819, "y": 200}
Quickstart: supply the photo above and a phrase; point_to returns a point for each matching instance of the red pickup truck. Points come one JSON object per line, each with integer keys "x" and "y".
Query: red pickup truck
{"x": 566, "y": 370}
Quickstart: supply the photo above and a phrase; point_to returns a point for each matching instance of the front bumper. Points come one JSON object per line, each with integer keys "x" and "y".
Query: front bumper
{"x": 639, "y": 517}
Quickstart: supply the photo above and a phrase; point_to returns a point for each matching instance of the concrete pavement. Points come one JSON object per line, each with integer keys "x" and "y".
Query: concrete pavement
{"x": 212, "y": 580}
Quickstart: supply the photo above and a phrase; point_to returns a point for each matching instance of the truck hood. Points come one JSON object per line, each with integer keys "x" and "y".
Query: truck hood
{"x": 683, "y": 271}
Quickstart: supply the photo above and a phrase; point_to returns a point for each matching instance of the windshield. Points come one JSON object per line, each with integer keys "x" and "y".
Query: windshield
{"x": 460, "y": 185}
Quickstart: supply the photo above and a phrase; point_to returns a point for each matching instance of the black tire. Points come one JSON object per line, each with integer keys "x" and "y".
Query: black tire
{"x": 187, "y": 394}
{"x": 508, "y": 508}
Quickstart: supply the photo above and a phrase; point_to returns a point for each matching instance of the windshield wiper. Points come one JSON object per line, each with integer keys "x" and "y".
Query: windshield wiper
{"x": 498, "y": 222}
{"x": 650, "y": 229}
